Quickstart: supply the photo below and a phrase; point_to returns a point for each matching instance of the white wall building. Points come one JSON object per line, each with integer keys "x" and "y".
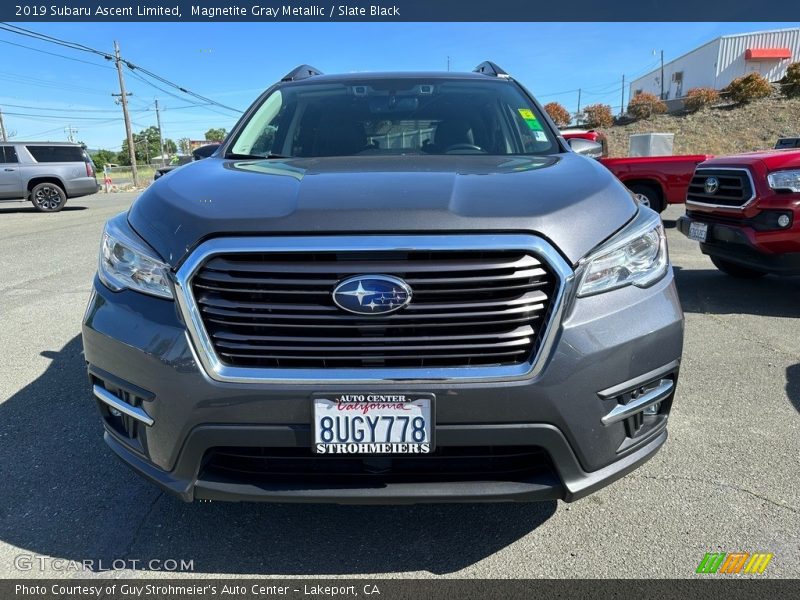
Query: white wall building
{"x": 722, "y": 60}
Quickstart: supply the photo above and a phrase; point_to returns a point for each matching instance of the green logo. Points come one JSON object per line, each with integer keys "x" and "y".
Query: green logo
{"x": 734, "y": 562}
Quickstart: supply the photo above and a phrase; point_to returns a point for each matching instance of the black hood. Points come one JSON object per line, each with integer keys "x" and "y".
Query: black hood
{"x": 570, "y": 200}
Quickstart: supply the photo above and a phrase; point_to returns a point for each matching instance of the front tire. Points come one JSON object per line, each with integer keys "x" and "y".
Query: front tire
{"x": 48, "y": 197}
{"x": 735, "y": 270}
{"x": 649, "y": 195}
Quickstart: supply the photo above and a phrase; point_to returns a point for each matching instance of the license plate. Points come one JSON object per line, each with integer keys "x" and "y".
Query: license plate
{"x": 373, "y": 423}
{"x": 698, "y": 231}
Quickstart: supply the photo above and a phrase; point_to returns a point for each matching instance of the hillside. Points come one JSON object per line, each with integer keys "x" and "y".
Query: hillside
{"x": 718, "y": 130}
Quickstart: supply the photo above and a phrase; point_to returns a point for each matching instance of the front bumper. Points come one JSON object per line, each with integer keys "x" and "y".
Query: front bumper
{"x": 742, "y": 245}
{"x": 606, "y": 346}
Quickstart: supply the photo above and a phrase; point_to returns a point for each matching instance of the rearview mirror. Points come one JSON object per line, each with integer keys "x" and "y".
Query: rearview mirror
{"x": 393, "y": 104}
{"x": 586, "y": 147}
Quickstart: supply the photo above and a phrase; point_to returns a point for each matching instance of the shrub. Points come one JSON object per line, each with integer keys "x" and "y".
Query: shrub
{"x": 558, "y": 113}
{"x": 645, "y": 105}
{"x": 748, "y": 88}
{"x": 791, "y": 82}
{"x": 697, "y": 98}
{"x": 598, "y": 115}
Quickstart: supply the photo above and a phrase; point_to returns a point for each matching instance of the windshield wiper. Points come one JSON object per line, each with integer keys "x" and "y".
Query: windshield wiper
{"x": 255, "y": 156}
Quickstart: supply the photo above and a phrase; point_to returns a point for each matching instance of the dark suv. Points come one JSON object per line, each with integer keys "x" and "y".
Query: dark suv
{"x": 400, "y": 287}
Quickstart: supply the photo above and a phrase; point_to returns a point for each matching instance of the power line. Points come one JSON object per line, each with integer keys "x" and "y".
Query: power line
{"x": 61, "y": 128}
{"x": 37, "y": 134}
{"x": 70, "y": 110}
{"x": 131, "y": 66}
{"x": 204, "y": 105}
{"x": 59, "y": 117}
{"x": 599, "y": 89}
{"x": 149, "y": 73}
{"x": 161, "y": 89}
{"x": 54, "y": 40}
{"x": 85, "y": 62}
{"x": 166, "y": 108}
{"x": 44, "y": 83}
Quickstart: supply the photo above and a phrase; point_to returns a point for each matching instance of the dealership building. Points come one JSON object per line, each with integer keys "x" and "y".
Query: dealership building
{"x": 722, "y": 60}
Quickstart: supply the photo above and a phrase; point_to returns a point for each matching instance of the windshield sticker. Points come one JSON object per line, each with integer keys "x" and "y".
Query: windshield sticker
{"x": 540, "y": 136}
{"x": 530, "y": 119}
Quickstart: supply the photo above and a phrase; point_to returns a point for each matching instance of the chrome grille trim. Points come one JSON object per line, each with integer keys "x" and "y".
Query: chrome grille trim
{"x": 207, "y": 358}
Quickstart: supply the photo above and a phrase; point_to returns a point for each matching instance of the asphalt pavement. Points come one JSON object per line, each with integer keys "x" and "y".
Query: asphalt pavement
{"x": 726, "y": 481}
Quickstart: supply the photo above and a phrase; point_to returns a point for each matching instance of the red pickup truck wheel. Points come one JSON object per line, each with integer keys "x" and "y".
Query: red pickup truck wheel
{"x": 649, "y": 195}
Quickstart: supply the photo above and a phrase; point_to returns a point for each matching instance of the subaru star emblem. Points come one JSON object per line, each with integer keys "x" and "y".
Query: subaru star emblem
{"x": 711, "y": 186}
{"x": 372, "y": 294}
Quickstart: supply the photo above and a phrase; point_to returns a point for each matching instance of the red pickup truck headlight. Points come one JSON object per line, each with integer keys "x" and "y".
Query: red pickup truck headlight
{"x": 785, "y": 180}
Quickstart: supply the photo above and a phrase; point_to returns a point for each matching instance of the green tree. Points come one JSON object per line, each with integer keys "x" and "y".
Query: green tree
{"x": 147, "y": 146}
{"x": 216, "y": 135}
{"x": 170, "y": 147}
{"x": 103, "y": 157}
{"x": 185, "y": 145}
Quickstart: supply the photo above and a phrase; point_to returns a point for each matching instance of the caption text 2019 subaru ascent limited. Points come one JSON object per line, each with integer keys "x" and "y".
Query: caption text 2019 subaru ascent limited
{"x": 393, "y": 287}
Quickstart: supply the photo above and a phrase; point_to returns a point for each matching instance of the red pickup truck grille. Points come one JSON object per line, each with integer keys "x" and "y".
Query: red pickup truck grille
{"x": 733, "y": 187}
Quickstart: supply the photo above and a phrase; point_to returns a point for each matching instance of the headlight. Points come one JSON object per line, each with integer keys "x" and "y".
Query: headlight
{"x": 635, "y": 256}
{"x": 127, "y": 263}
{"x": 785, "y": 180}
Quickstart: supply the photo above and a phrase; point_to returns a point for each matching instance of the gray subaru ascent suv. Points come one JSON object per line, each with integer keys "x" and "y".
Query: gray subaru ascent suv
{"x": 393, "y": 287}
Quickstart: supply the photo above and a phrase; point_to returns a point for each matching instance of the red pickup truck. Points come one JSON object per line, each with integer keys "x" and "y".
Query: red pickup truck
{"x": 745, "y": 212}
{"x": 656, "y": 180}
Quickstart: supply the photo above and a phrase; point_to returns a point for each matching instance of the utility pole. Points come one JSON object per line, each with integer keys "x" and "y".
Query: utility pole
{"x": 578, "y": 113}
{"x": 622, "y": 102}
{"x": 123, "y": 96}
{"x": 70, "y": 131}
{"x": 448, "y": 63}
{"x": 160, "y": 136}
{"x": 662, "y": 75}
{"x": 2, "y": 128}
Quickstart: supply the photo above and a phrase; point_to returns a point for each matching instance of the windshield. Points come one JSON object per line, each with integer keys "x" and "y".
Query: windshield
{"x": 394, "y": 117}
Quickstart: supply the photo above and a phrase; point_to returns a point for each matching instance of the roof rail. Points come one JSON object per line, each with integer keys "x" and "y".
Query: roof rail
{"x": 301, "y": 72}
{"x": 491, "y": 69}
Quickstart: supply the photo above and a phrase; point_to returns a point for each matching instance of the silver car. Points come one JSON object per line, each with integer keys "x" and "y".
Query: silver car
{"x": 46, "y": 173}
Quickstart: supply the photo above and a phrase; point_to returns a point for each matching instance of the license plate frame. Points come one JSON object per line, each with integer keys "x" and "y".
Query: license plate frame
{"x": 373, "y": 404}
{"x": 698, "y": 231}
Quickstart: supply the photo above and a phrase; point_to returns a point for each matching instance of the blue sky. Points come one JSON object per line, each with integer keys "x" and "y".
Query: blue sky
{"x": 232, "y": 63}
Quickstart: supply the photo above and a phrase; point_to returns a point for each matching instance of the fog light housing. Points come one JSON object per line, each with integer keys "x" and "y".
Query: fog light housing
{"x": 784, "y": 221}
{"x": 653, "y": 409}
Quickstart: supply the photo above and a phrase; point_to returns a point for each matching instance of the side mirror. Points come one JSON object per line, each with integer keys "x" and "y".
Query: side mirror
{"x": 586, "y": 147}
{"x": 204, "y": 151}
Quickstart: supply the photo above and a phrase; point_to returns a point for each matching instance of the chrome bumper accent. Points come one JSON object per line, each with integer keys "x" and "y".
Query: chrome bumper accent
{"x": 623, "y": 411}
{"x": 113, "y": 401}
